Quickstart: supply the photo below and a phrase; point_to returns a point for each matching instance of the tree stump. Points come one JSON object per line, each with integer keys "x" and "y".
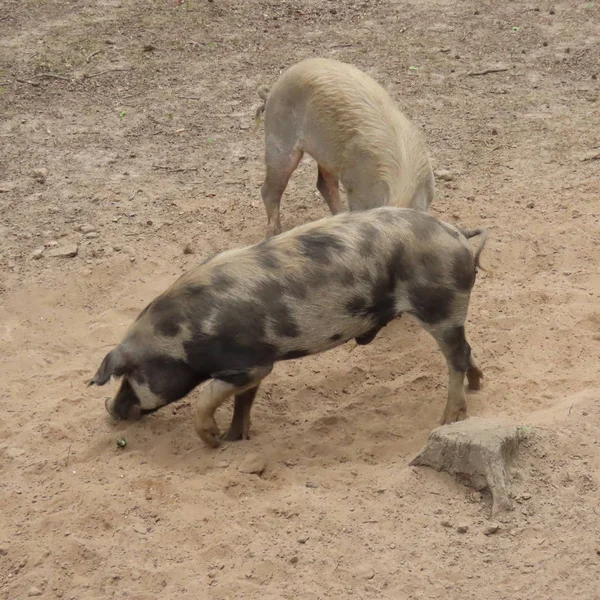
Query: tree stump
{"x": 477, "y": 451}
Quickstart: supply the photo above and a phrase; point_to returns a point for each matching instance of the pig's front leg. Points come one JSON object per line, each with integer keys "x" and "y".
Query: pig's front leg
{"x": 220, "y": 388}
{"x": 239, "y": 429}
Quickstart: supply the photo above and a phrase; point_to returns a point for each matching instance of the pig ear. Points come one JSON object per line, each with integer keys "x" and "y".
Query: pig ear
{"x": 114, "y": 363}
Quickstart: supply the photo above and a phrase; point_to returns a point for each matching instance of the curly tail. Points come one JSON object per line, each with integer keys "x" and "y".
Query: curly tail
{"x": 483, "y": 232}
{"x": 263, "y": 93}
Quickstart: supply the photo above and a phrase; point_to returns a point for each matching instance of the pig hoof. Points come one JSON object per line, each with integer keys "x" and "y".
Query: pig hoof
{"x": 208, "y": 432}
{"x": 237, "y": 432}
{"x": 453, "y": 416}
{"x": 235, "y": 436}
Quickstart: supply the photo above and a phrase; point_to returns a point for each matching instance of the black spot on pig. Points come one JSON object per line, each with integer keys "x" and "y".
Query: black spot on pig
{"x": 169, "y": 378}
{"x": 347, "y": 277}
{"x": 463, "y": 270}
{"x": 167, "y": 316}
{"x": 423, "y": 226}
{"x": 284, "y": 324}
{"x": 460, "y": 350}
{"x": 399, "y": 265}
{"x": 356, "y": 306}
{"x": 269, "y": 291}
{"x": 220, "y": 281}
{"x": 431, "y": 304}
{"x": 208, "y": 354}
{"x": 243, "y": 320}
{"x": 320, "y": 246}
{"x": 433, "y": 267}
{"x": 292, "y": 354}
{"x": 267, "y": 257}
{"x": 369, "y": 234}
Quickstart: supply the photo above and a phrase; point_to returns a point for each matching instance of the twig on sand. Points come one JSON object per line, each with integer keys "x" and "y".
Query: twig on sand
{"x": 487, "y": 71}
{"x": 53, "y": 76}
{"x": 33, "y": 83}
{"x": 175, "y": 169}
{"x": 92, "y": 55}
{"x": 90, "y": 75}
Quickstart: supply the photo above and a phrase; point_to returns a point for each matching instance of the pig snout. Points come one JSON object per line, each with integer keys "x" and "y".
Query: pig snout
{"x": 125, "y": 406}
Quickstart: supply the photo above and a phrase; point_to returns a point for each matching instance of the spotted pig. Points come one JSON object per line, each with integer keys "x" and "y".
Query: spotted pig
{"x": 303, "y": 292}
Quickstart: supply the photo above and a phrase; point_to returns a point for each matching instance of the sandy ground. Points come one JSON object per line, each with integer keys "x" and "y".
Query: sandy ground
{"x": 126, "y": 129}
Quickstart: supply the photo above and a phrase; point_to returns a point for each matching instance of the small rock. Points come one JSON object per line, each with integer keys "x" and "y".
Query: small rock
{"x": 67, "y": 251}
{"x": 530, "y": 205}
{"x": 303, "y": 539}
{"x": 364, "y": 573}
{"x": 40, "y": 175}
{"x": 253, "y": 464}
{"x": 443, "y": 175}
{"x": 188, "y": 249}
{"x": 3, "y": 551}
{"x": 91, "y": 235}
{"x": 446, "y": 524}
{"x": 37, "y": 254}
{"x": 293, "y": 560}
{"x": 140, "y": 529}
{"x": 149, "y": 47}
{"x": 85, "y": 229}
{"x": 132, "y": 259}
{"x": 34, "y": 591}
{"x": 310, "y": 484}
{"x": 244, "y": 126}
{"x": 491, "y": 529}
{"x": 462, "y": 528}
{"x": 526, "y": 496}
{"x": 223, "y": 464}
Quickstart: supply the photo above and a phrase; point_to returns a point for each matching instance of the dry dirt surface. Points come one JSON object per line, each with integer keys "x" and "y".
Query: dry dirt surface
{"x": 127, "y": 154}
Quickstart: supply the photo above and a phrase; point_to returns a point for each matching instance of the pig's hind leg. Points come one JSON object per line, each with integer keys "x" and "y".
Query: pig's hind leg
{"x": 281, "y": 162}
{"x": 453, "y": 343}
{"x": 329, "y": 187}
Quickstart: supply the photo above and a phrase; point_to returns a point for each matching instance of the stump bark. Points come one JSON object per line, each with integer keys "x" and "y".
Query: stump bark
{"x": 478, "y": 452}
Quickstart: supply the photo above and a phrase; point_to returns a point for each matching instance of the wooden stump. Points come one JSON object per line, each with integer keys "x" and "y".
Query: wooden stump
{"x": 477, "y": 451}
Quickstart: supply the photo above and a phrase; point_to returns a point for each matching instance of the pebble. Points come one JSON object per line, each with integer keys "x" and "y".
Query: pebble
{"x": 364, "y": 573}
{"x": 91, "y": 235}
{"x": 223, "y": 464}
{"x": 188, "y": 249}
{"x": 37, "y": 254}
{"x": 310, "y": 484}
{"x": 462, "y": 528}
{"x": 140, "y": 529}
{"x": 491, "y": 529}
{"x": 253, "y": 464}
{"x": 443, "y": 175}
{"x": 446, "y": 524}
{"x": 85, "y": 229}
{"x": 293, "y": 560}
{"x": 530, "y": 205}
{"x": 34, "y": 591}
{"x": 66, "y": 251}
{"x": 303, "y": 539}
{"x": 40, "y": 175}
